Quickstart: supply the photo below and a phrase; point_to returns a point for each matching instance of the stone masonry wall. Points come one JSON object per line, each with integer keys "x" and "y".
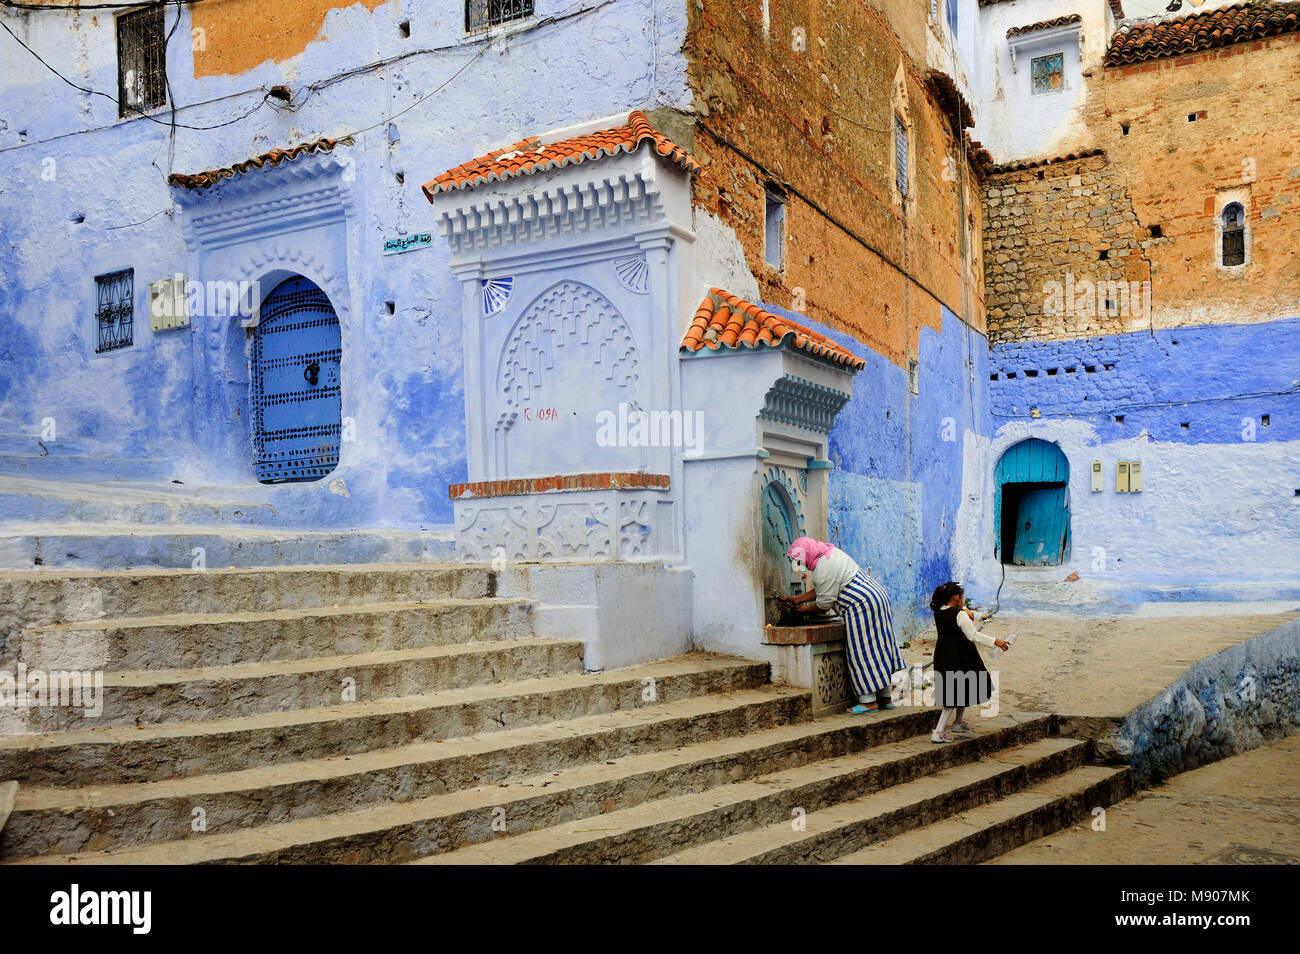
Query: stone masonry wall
{"x": 1227, "y": 703}
{"x": 1054, "y": 232}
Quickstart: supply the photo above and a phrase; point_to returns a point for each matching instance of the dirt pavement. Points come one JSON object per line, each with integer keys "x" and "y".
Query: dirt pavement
{"x": 1103, "y": 666}
{"x": 1241, "y": 810}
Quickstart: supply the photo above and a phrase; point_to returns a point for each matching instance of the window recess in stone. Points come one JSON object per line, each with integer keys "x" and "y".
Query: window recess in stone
{"x": 1234, "y": 234}
{"x": 115, "y": 310}
{"x": 480, "y": 14}
{"x": 141, "y": 61}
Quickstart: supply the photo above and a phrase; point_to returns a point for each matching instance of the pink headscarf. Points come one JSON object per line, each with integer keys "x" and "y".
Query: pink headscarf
{"x": 808, "y": 550}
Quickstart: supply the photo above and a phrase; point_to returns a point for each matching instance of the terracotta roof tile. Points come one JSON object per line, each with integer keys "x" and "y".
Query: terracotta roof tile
{"x": 1035, "y": 163}
{"x": 1156, "y": 39}
{"x": 724, "y": 320}
{"x": 532, "y": 155}
{"x": 205, "y": 180}
{"x": 1044, "y": 25}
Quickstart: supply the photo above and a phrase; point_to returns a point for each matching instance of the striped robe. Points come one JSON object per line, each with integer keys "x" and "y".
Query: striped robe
{"x": 872, "y": 650}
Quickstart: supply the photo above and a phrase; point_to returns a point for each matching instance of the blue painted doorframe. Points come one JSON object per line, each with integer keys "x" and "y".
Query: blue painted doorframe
{"x": 1040, "y": 474}
{"x": 296, "y": 397}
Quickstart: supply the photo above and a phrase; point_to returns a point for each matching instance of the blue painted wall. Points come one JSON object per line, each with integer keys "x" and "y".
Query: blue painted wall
{"x": 1213, "y": 414}
{"x": 85, "y": 192}
{"x": 897, "y": 484}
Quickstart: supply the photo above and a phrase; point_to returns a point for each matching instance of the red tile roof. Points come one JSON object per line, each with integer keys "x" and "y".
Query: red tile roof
{"x": 1035, "y": 163}
{"x": 532, "y": 155}
{"x": 204, "y": 180}
{"x": 724, "y": 320}
{"x": 1044, "y": 25}
{"x": 1156, "y": 39}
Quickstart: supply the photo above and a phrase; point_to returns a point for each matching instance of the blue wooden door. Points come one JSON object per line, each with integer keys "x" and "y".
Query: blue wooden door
{"x": 1044, "y": 522}
{"x": 297, "y": 405}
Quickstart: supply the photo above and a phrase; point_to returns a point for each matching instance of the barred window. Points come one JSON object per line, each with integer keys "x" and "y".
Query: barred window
{"x": 1047, "y": 73}
{"x": 1234, "y": 234}
{"x": 141, "y": 61}
{"x": 115, "y": 313}
{"x": 900, "y": 154}
{"x": 480, "y": 14}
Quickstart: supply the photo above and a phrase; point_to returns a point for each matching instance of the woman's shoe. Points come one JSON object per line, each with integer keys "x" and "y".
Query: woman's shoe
{"x": 859, "y": 709}
{"x": 961, "y": 728}
{"x": 940, "y": 737}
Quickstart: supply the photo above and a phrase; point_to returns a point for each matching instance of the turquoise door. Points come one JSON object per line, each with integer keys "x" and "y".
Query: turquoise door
{"x": 1042, "y": 528}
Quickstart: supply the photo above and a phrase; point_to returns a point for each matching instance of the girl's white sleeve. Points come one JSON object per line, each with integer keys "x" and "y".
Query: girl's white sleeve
{"x": 967, "y": 626}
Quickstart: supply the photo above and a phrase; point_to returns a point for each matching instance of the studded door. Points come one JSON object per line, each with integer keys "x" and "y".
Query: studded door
{"x": 297, "y": 405}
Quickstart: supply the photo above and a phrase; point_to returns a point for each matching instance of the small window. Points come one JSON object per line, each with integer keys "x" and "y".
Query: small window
{"x": 900, "y": 154}
{"x": 115, "y": 310}
{"x": 774, "y": 230}
{"x": 913, "y": 376}
{"x": 480, "y": 14}
{"x": 141, "y": 61}
{"x": 1234, "y": 234}
{"x": 1047, "y": 73}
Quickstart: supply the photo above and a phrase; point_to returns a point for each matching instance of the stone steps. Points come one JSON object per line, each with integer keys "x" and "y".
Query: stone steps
{"x": 49, "y": 597}
{"x": 200, "y": 640}
{"x": 840, "y": 828}
{"x": 986, "y": 831}
{"x": 464, "y": 736}
{"x": 149, "y": 697}
{"x": 122, "y": 754}
{"x": 70, "y": 820}
{"x": 654, "y": 828}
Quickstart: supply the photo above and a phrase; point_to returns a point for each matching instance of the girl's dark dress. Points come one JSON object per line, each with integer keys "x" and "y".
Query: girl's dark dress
{"x": 960, "y": 678}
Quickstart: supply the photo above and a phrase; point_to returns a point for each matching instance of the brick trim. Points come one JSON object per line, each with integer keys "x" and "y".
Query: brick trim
{"x": 561, "y": 483}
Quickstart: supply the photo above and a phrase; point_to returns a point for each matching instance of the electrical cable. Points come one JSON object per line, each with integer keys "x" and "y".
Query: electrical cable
{"x": 117, "y": 102}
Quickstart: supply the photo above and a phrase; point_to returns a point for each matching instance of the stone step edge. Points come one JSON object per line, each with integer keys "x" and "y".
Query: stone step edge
{"x": 126, "y": 794}
{"x": 117, "y": 623}
{"x": 310, "y": 665}
{"x": 751, "y": 847}
{"x": 538, "y": 846}
{"x": 257, "y": 842}
{"x": 406, "y": 566}
{"x": 976, "y": 826}
{"x": 72, "y": 738}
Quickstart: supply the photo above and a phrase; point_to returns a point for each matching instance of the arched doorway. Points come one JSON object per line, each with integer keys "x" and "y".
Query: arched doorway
{"x": 1031, "y": 508}
{"x": 294, "y": 388}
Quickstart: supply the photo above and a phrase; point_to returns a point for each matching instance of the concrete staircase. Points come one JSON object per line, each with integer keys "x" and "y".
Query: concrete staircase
{"x": 407, "y": 714}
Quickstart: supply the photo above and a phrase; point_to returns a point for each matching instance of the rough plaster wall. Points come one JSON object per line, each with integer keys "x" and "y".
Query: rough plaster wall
{"x": 896, "y": 490}
{"x": 136, "y": 407}
{"x": 1218, "y": 492}
{"x": 1174, "y": 169}
{"x": 817, "y": 123}
{"x": 1233, "y": 701}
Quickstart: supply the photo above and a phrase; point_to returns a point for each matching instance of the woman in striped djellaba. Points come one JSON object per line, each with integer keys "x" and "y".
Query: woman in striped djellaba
{"x": 838, "y": 581}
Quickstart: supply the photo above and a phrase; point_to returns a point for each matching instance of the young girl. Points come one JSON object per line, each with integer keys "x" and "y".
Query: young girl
{"x": 960, "y": 679}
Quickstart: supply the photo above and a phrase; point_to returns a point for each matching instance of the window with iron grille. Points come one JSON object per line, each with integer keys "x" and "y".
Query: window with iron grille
{"x": 488, "y": 13}
{"x": 900, "y": 154}
{"x": 141, "y": 61}
{"x": 115, "y": 312}
{"x": 1234, "y": 234}
{"x": 1047, "y": 73}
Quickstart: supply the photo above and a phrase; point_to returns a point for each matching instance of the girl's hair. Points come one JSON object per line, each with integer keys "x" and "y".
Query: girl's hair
{"x": 943, "y": 594}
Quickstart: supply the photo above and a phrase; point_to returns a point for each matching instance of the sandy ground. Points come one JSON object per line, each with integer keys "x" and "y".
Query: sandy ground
{"x": 1103, "y": 666}
{"x": 1242, "y": 810}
